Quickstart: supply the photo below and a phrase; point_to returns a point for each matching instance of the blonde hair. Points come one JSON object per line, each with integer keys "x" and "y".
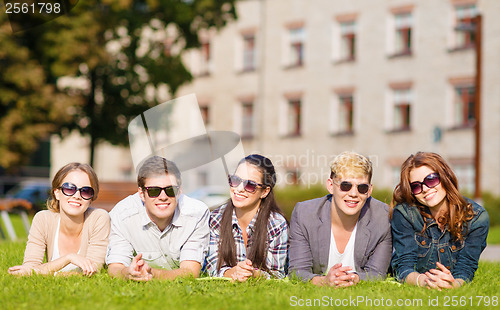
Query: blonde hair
{"x": 351, "y": 164}
{"x": 52, "y": 202}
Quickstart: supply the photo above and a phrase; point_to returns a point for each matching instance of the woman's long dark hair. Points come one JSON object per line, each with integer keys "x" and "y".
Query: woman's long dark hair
{"x": 459, "y": 211}
{"x": 268, "y": 206}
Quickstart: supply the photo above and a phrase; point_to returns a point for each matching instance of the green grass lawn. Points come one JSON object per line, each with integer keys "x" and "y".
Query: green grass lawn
{"x": 102, "y": 292}
{"x": 494, "y": 235}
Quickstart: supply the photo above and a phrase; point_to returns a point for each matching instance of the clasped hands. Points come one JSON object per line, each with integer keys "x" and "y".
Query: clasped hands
{"x": 139, "y": 270}
{"x": 440, "y": 278}
{"x": 243, "y": 271}
{"x": 339, "y": 276}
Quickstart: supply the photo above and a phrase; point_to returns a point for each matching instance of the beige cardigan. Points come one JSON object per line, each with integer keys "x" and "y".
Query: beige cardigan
{"x": 94, "y": 236}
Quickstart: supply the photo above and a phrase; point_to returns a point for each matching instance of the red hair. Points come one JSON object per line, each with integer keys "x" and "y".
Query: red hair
{"x": 459, "y": 211}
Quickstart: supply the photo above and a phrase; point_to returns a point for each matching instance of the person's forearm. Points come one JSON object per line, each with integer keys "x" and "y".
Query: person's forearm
{"x": 173, "y": 274}
{"x": 458, "y": 283}
{"x": 416, "y": 278}
{"x": 118, "y": 271}
{"x": 53, "y": 266}
{"x": 319, "y": 280}
{"x": 229, "y": 272}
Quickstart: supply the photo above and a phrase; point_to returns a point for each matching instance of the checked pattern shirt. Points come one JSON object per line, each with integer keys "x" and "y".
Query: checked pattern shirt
{"x": 277, "y": 232}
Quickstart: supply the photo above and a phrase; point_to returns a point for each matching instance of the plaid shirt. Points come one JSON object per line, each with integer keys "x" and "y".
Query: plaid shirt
{"x": 277, "y": 232}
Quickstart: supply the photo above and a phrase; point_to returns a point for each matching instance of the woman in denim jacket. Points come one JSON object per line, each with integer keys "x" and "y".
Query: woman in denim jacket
{"x": 438, "y": 235}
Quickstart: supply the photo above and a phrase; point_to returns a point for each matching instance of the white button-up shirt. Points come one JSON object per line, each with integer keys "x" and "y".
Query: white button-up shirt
{"x": 133, "y": 232}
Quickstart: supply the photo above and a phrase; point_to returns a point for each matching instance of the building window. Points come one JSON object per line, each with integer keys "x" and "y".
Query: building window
{"x": 348, "y": 40}
{"x": 342, "y": 117}
{"x": 346, "y": 113}
{"x": 401, "y": 109}
{"x": 296, "y": 48}
{"x": 206, "y": 58}
{"x": 403, "y": 23}
{"x": 247, "y": 120}
{"x": 294, "y": 117}
{"x": 248, "y": 52}
{"x": 464, "y": 19}
{"x": 292, "y": 177}
{"x": 205, "y": 115}
{"x": 464, "y": 105}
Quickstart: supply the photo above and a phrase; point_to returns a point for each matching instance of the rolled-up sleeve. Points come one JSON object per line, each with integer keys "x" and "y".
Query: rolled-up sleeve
{"x": 301, "y": 259}
{"x": 37, "y": 241}
{"x": 278, "y": 248}
{"x": 404, "y": 257}
{"x": 120, "y": 250}
{"x": 196, "y": 246}
{"x": 379, "y": 259}
{"x": 475, "y": 242}
{"x": 98, "y": 237}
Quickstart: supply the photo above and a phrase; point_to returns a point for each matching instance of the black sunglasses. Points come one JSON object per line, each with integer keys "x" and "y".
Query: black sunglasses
{"x": 346, "y": 186}
{"x": 432, "y": 180}
{"x": 249, "y": 185}
{"x": 155, "y": 191}
{"x": 69, "y": 189}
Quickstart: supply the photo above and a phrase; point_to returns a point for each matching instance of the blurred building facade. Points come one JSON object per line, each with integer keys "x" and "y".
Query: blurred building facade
{"x": 304, "y": 80}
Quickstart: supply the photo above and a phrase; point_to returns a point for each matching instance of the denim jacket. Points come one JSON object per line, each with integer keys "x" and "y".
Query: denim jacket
{"x": 417, "y": 251}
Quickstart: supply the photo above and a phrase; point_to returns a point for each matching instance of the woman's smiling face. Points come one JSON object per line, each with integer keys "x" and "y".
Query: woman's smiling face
{"x": 242, "y": 198}
{"x": 74, "y": 205}
{"x": 430, "y": 197}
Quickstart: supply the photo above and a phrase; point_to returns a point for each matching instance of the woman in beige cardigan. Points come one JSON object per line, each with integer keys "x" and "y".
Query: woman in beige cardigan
{"x": 71, "y": 235}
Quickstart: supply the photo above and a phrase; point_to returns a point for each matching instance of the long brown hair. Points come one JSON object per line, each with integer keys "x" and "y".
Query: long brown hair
{"x": 52, "y": 202}
{"x": 268, "y": 206}
{"x": 459, "y": 211}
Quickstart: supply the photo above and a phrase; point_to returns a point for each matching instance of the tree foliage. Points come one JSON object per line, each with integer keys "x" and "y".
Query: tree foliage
{"x": 29, "y": 106}
{"x": 122, "y": 53}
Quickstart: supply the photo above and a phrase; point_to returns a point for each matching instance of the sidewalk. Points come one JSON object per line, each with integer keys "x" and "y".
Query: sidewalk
{"x": 491, "y": 253}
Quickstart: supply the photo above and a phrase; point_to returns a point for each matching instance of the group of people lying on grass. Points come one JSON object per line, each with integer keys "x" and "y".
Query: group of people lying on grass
{"x": 430, "y": 235}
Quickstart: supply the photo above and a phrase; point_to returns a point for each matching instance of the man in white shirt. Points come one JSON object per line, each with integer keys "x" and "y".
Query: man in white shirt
{"x": 158, "y": 232}
{"x": 343, "y": 237}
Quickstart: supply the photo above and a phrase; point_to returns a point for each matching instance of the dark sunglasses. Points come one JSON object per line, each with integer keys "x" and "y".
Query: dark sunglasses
{"x": 155, "y": 191}
{"x": 346, "y": 186}
{"x": 432, "y": 180}
{"x": 69, "y": 189}
{"x": 248, "y": 185}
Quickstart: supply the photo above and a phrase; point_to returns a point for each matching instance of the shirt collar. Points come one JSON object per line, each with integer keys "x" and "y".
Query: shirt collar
{"x": 251, "y": 225}
{"x": 176, "y": 220}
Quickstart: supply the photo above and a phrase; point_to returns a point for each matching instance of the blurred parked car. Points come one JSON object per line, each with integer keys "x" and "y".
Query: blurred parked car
{"x": 212, "y": 196}
{"x": 34, "y": 191}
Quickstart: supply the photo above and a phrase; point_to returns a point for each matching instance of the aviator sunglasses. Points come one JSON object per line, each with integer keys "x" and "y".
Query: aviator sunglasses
{"x": 155, "y": 191}
{"x": 346, "y": 186}
{"x": 249, "y": 185}
{"x": 432, "y": 180}
{"x": 69, "y": 189}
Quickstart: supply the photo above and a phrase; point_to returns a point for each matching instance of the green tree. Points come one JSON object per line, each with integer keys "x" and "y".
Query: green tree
{"x": 116, "y": 47}
{"x": 30, "y": 108}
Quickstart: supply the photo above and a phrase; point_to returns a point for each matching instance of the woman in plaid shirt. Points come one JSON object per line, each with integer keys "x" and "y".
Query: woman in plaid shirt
{"x": 249, "y": 234}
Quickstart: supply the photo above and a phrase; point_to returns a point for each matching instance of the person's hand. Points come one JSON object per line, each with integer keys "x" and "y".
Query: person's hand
{"x": 88, "y": 266}
{"x": 21, "y": 270}
{"x": 139, "y": 270}
{"x": 440, "y": 278}
{"x": 242, "y": 271}
{"x": 339, "y": 276}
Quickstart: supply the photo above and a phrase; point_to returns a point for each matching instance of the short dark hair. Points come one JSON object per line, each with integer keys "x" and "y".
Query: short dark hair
{"x": 157, "y": 165}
